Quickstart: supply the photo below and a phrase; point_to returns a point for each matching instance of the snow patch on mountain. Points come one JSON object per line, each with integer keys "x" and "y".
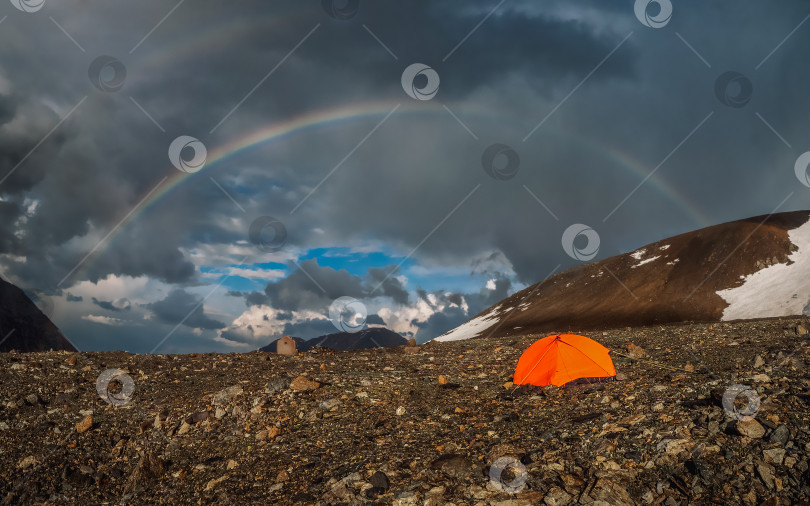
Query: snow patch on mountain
{"x": 778, "y": 290}
{"x": 473, "y": 327}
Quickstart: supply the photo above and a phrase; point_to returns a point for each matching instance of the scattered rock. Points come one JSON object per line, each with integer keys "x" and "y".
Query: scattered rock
{"x": 801, "y": 330}
{"x": 774, "y": 456}
{"x": 380, "y": 480}
{"x": 750, "y": 428}
{"x": 758, "y": 362}
{"x": 442, "y": 379}
{"x": 85, "y": 424}
{"x": 276, "y": 385}
{"x": 780, "y": 435}
{"x": 453, "y": 465}
{"x": 231, "y": 464}
{"x": 227, "y": 395}
{"x": 150, "y": 468}
{"x": 27, "y": 462}
{"x": 211, "y": 485}
{"x": 303, "y": 384}
{"x": 635, "y": 351}
{"x": 400, "y": 411}
{"x": 556, "y": 497}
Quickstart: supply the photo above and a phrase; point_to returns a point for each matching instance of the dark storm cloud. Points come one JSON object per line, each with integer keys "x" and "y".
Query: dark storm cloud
{"x": 180, "y": 304}
{"x": 73, "y": 298}
{"x": 110, "y": 305}
{"x": 314, "y": 287}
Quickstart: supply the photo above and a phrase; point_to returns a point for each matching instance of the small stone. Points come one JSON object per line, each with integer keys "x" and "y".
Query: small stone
{"x": 221, "y": 412}
{"x": 400, "y": 411}
{"x": 453, "y": 465}
{"x": 85, "y": 424}
{"x": 442, "y": 379}
{"x": 232, "y": 464}
{"x": 71, "y": 360}
{"x": 411, "y": 350}
{"x": 184, "y": 428}
{"x": 213, "y": 483}
{"x": 765, "y": 472}
{"x": 27, "y": 462}
{"x": 635, "y": 351}
{"x": 227, "y": 395}
{"x": 801, "y": 330}
{"x": 272, "y": 432}
{"x": 329, "y": 405}
{"x": 556, "y": 497}
{"x": 196, "y": 417}
{"x": 761, "y": 378}
{"x": 32, "y": 399}
{"x": 303, "y": 384}
{"x": 275, "y": 385}
{"x": 149, "y": 469}
{"x": 689, "y": 367}
{"x": 380, "y": 480}
{"x": 758, "y": 362}
{"x": 750, "y": 428}
{"x": 780, "y": 435}
{"x": 774, "y": 456}
{"x": 282, "y": 476}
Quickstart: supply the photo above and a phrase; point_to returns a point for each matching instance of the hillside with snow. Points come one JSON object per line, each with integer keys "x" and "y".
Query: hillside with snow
{"x": 752, "y": 268}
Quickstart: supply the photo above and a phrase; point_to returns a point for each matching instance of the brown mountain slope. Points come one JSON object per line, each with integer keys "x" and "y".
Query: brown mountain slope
{"x": 673, "y": 280}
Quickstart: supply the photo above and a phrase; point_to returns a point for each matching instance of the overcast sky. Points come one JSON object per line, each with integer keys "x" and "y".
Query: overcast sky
{"x": 209, "y": 176}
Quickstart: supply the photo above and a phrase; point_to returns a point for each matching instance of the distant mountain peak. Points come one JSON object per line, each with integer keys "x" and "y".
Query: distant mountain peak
{"x": 375, "y": 337}
{"x": 23, "y": 327}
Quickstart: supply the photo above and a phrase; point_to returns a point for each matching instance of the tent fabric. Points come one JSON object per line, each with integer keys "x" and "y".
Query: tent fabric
{"x": 560, "y": 359}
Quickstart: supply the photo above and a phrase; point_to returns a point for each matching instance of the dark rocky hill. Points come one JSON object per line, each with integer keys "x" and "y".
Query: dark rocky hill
{"x": 23, "y": 327}
{"x": 375, "y": 337}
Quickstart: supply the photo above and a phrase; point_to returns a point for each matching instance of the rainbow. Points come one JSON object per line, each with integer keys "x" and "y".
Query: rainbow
{"x": 363, "y": 111}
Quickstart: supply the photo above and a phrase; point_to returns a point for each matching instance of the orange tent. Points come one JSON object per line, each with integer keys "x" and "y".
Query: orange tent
{"x": 563, "y": 358}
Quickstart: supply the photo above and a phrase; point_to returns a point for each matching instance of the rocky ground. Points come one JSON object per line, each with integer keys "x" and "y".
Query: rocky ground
{"x": 438, "y": 425}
